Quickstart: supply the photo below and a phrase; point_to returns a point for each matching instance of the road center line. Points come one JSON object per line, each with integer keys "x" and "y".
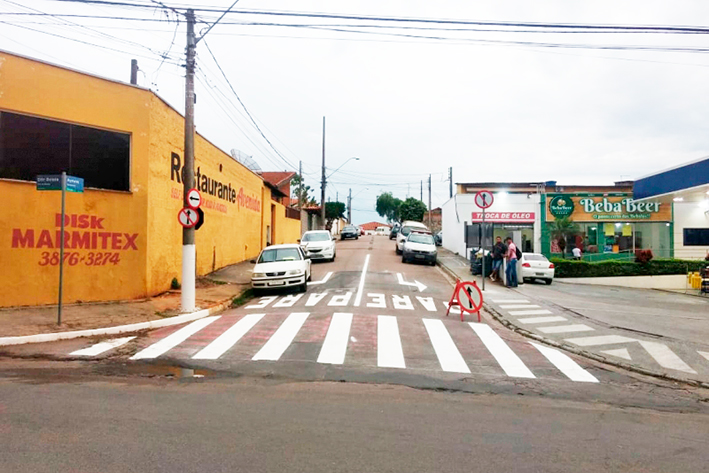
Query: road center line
{"x": 358, "y": 299}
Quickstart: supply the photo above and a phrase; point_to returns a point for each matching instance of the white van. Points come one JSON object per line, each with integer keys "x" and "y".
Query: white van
{"x": 406, "y": 228}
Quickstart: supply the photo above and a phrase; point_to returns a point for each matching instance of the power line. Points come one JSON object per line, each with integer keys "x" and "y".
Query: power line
{"x": 247, "y": 110}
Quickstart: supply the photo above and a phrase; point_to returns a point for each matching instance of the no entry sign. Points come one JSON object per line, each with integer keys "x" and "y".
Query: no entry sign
{"x": 484, "y": 199}
{"x": 468, "y": 297}
{"x": 188, "y": 218}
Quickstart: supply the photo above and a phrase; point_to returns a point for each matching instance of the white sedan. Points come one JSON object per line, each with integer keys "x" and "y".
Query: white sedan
{"x": 319, "y": 244}
{"x": 281, "y": 266}
{"x": 536, "y": 266}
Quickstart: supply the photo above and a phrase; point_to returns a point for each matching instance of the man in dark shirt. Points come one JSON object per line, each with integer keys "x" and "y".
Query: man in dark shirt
{"x": 498, "y": 253}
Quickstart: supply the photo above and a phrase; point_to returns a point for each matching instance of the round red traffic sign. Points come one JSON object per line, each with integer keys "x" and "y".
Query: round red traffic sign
{"x": 484, "y": 199}
{"x": 188, "y": 218}
{"x": 194, "y": 198}
{"x": 469, "y": 295}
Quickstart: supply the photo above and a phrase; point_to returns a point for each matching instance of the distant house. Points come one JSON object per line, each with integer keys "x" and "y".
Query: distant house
{"x": 370, "y": 227}
{"x": 280, "y": 181}
{"x": 436, "y": 215}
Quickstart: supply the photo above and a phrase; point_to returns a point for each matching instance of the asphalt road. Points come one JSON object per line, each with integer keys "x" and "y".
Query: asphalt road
{"x": 394, "y": 386}
{"x": 72, "y": 422}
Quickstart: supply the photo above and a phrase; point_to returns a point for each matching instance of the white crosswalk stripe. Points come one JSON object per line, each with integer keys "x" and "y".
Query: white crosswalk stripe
{"x": 666, "y": 357}
{"x": 171, "y": 341}
{"x": 334, "y": 348}
{"x": 566, "y": 328}
{"x": 98, "y": 348}
{"x": 282, "y": 338}
{"x": 565, "y": 364}
{"x": 519, "y": 306}
{"x": 390, "y": 353}
{"x": 448, "y": 355}
{"x": 229, "y": 338}
{"x": 510, "y": 301}
{"x": 530, "y": 312}
{"x": 336, "y": 341}
{"x": 508, "y": 360}
{"x": 542, "y": 320}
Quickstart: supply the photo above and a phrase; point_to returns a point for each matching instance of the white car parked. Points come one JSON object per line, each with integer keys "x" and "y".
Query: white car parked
{"x": 281, "y": 266}
{"x": 420, "y": 247}
{"x": 406, "y": 228}
{"x": 319, "y": 244}
{"x": 536, "y": 266}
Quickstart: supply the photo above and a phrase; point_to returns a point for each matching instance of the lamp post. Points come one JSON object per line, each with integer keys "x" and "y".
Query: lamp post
{"x": 324, "y": 181}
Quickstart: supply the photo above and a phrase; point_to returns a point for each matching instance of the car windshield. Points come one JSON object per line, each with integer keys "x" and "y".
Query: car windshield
{"x": 280, "y": 254}
{"x": 319, "y": 236}
{"x": 349, "y": 228}
{"x": 534, "y": 257}
{"x": 420, "y": 238}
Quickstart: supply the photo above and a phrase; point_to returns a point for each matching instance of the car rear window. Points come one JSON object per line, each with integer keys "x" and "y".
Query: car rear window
{"x": 420, "y": 238}
{"x": 279, "y": 254}
{"x": 320, "y": 236}
{"x": 534, "y": 257}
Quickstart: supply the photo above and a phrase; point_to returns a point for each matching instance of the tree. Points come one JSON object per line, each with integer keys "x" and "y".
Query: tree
{"x": 412, "y": 209}
{"x": 388, "y": 206}
{"x": 301, "y": 194}
{"x": 333, "y": 211}
{"x": 561, "y": 228}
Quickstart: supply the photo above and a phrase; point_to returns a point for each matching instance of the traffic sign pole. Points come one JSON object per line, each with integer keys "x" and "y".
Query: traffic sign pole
{"x": 61, "y": 251}
{"x": 482, "y": 244}
{"x": 481, "y": 200}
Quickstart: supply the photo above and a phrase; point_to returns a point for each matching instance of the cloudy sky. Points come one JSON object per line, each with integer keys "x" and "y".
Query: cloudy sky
{"x": 507, "y": 91}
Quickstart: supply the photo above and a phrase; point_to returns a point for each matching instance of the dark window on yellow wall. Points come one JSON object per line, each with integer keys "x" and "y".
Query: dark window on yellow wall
{"x": 30, "y": 146}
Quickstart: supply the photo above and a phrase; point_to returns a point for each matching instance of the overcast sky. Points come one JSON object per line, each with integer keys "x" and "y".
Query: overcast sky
{"x": 495, "y": 103}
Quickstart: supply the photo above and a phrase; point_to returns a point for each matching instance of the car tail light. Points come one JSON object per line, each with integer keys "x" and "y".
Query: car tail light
{"x": 551, "y": 265}
{"x": 526, "y": 265}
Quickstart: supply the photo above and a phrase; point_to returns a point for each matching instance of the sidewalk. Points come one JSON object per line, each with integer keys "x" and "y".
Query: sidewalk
{"x": 217, "y": 289}
{"x": 652, "y": 332}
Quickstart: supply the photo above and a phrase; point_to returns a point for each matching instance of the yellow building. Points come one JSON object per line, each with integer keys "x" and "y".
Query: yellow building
{"x": 123, "y": 239}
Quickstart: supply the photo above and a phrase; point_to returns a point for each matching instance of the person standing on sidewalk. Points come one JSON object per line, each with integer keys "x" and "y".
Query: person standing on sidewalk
{"x": 498, "y": 253}
{"x": 511, "y": 257}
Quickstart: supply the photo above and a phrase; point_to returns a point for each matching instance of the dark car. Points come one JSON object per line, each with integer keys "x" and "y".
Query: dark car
{"x": 350, "y": 231}
{"x": 394, "y": 231}
{"x": 438, "y": 238}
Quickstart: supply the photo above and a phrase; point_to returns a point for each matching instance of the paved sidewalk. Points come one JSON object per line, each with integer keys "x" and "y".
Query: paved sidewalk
{"x": 215, "y": 289}
{"x": 652, "y": 332}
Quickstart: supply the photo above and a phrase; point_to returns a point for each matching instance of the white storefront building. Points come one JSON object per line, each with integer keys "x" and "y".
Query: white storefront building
{"x": 514, "y": 213}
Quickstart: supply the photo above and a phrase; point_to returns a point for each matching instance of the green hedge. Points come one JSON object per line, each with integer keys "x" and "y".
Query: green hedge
{"x": 582, "y": 269}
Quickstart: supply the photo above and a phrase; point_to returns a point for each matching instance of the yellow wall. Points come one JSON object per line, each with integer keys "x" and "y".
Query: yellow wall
{"x": 287, "y": 229}
{"x": 234, "y": 230}
{"x": 231, "y": 231}
{"x": 30, "y": 275}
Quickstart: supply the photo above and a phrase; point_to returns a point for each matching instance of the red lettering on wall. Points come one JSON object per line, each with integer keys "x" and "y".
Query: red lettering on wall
{"x": 22, "y": 241}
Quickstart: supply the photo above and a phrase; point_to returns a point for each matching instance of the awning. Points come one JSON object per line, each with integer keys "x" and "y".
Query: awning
{"x": 689, "y": 182}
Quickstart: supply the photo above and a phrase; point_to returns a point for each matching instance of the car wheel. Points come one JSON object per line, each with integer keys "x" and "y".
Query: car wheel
{"x": 303, "y": 287}
{"x": 398, "y": 251}
{"x": 403, "y": 259}
{"x": 257, "y": 292}
{"x": 548, "y": 281}
{"x": 333, "y": 257}
{"x": 433, "y": 263}
{"x": 525, "y": 280}
{"x": 310, "y": 277}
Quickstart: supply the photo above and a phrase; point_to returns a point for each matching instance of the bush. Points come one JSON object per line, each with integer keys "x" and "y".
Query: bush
{"x": 175, "y": 284}
{"x": 583, "y": 269}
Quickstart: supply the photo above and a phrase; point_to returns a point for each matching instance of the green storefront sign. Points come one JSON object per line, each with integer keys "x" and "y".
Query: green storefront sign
{"x": 561, "y": 206}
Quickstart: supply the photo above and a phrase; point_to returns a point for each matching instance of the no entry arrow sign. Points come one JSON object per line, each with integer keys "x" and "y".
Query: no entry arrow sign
{"x": 194, "y": 198}
{"x": 188, "y": 218}
{"x": 484, "y": 199}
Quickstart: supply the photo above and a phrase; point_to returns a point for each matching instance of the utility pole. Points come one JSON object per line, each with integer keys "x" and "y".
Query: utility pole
{"x": 349, "y": 207}
{"x": 322, "y": 184}
{"x": 188, "y": 246}
{"x": 429, "y": 203}
{"x": 300, "y": 186}
{"x": 421, "y": 190}
{"x": 450, "y": 181}
{"x": 337, "y": 196}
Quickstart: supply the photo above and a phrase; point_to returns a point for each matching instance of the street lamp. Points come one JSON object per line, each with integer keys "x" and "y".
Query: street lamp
{"x": 322, "y": 186}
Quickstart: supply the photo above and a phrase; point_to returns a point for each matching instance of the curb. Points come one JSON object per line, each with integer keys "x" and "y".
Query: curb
{"x": 569, "y": 348}
{"x": 176, "y": 320}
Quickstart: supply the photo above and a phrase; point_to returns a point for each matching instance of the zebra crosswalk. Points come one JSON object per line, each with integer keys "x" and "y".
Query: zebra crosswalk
{"x": 341, "y": 338}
